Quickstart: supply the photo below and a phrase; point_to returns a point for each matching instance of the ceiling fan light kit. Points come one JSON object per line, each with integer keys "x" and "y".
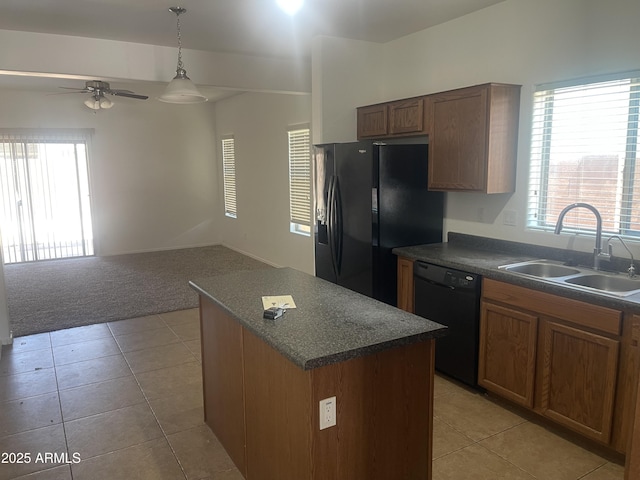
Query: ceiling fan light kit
{"x": 181, "y": 89}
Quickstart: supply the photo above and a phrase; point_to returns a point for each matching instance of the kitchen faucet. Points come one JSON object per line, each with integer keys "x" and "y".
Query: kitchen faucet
{"x": 631, "y": 271}
{"x": 597, "y": 251}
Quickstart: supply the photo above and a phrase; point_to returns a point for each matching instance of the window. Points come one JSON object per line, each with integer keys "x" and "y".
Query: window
{"x": 584, "y": 148}
{"x": 300, "y": 181}
{"x": 44, "y": 188}
{"x": 229, "y": 176}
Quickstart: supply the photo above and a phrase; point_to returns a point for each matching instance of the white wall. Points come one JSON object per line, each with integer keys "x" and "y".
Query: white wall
{"x": 516, "y": 41}
{"x": 259, "y": 122}
{"x": 152, "y": 166}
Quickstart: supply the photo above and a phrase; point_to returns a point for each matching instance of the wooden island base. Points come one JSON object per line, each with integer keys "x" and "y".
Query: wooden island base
{"x": 264, "y": 409}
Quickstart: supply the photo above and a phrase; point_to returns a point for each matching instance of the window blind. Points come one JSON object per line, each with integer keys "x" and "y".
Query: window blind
{"x": 44, "y": 193}
{"x": 300, "y": 179}
{"x": 584, "y": 148}
{"x": 229, "y": 176}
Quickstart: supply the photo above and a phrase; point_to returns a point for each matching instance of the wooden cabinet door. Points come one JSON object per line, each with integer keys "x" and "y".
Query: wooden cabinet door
{"x": 406, "y": 116}
{"x": 632, "y": 470}
{"x": 508, "y": 339}
{"x": 457, "y": 141}
{"x": 372, "y": 121}
{"x": 405, "y": 284}
{"x": 577, "y": 379}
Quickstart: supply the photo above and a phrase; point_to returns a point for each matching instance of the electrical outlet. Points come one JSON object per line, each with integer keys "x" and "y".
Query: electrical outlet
{"x": 510, "y": 217}
{"x": 327, "y": 413}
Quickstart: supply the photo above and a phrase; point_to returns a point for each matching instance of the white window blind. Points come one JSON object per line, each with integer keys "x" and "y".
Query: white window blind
{"x": 584, "y": 148}
{"x": 44, "y": 193}
{"x": 300, "y": 180}
{"x": 229, "y": 176}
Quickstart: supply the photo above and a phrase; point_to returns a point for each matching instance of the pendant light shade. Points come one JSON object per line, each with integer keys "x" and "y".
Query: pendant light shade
{"x": 181, "y": 89}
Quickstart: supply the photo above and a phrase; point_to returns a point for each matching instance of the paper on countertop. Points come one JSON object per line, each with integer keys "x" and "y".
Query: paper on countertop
{"x": 283, "y": 301}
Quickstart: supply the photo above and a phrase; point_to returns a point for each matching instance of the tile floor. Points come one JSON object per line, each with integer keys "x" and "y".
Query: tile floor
{"x": 124, "y": 401}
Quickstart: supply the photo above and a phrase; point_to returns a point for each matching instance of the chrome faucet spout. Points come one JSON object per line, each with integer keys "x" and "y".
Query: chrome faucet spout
{"x": 597, "y": 251}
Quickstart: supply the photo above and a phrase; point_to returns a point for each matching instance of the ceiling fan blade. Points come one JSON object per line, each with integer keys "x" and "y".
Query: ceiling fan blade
{"x": 66, "y": 93}
{"x": 120, "y": 93}
{"x": 116, "y": 91}
{"x": 75, "y": 88}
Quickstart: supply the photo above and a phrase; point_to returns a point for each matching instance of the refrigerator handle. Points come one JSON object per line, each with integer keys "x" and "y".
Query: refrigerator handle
{"x": 338, "y": 224}
{"x": 331, "y": 223}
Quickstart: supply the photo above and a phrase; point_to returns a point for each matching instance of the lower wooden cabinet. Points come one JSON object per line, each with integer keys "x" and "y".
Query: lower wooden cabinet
{"x": 578, "y": 371}
{"x": 556, "y": 356}
{"x": 508, "y": 340}
{"x": 405, "y": 284}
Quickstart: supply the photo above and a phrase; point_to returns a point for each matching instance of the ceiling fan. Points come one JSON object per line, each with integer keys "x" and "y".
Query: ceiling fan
{"x": 98, "y": 89}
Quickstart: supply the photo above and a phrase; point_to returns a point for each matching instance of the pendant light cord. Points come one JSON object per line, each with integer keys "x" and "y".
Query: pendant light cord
{"x": 179, "y": 42}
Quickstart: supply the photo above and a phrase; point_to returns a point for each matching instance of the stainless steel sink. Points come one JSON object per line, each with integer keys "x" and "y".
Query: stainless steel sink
{"x": 615, "y": 284}
{"x": 544, "y": 270}
{"x": 606, "y": 283}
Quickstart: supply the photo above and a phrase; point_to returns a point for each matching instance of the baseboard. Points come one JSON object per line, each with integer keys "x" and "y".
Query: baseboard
{"x": 255, "y": 257}
{"x": 163, "y": 249}
{"x": 5, "y": 341}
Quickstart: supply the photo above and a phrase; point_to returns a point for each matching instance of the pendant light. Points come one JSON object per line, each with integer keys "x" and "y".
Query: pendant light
{"x": 181, "y": 89}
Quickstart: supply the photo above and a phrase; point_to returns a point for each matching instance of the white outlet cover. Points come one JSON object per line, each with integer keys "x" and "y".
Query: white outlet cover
{"x": 327, "y": 413}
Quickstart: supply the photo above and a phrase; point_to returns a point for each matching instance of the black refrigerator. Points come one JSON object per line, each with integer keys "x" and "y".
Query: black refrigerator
{"x": 368, "y": 199}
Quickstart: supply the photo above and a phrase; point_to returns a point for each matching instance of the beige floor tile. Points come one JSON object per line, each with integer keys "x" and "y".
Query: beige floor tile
{"x": 92, "y": 371}
{"x": 152, "y": 460}
{"x": 179, "y": 412}
{"x": 57, "y": 473}
{"x": 200, "y": 453}
{"x": 447, "y": 440}
{"x": 21, "y": 362}
{"x": 80, "y": 334}
{"x": 100, "y": 397}
{"x": 195, "y": 347}
{"x": 28, "y": 384}
{"x": 608, "y": 471}
{"x": 181, "y": 316}
{"x": 443, "y": 386}
{"x": 141, "y": 340}
{"x": 165, "y": 382}
{"x": 78, "y": 352}
{"x": 159, "y": 357}
{"x": 27, "y": 343}
{"x": 187, "y": 330}
{"x": 542, "y": 454}
{"x": 111, "y": 431}
{"x": 476, "y": 463}
{"x": 34, "y": 442}
{"x": 135, "y": 325}
{"x": 474, "y": 415}
{"x": 29, "y": 413}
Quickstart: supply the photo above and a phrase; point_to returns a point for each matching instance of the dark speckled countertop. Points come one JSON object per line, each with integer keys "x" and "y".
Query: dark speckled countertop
{"x": 330, "y": 324}
{"x": 483, "y": 256}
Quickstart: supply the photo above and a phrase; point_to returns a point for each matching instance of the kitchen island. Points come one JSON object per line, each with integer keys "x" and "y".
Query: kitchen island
{"x": 264, "y": 380}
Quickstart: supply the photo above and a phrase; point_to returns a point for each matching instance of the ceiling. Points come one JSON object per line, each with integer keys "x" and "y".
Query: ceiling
{"x": 234, "y": 26}
{"x": 251, "y": 27}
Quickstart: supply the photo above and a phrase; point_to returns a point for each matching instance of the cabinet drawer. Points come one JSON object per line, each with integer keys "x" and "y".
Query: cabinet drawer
{"x": 584, "y": 314}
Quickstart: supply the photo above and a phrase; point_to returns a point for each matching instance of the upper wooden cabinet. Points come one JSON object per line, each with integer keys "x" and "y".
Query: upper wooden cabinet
{"x": 473, "y": 139}
{"x": 473, "y": 134}
{"x": 373, "y": 121}
{"x": 393, "y": 119}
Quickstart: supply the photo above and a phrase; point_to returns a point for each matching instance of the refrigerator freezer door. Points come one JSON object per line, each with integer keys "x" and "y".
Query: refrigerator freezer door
{"x": 323, "y": 164}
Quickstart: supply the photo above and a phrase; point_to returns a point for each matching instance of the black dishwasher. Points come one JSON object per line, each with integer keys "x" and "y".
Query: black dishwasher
{"x": 452, "y": 298}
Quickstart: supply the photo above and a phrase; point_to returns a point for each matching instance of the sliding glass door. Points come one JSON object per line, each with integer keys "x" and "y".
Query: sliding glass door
{"x": 44, "y": 185}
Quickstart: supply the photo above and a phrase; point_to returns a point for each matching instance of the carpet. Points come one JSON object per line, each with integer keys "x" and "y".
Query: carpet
{"x": 56, "y": 294}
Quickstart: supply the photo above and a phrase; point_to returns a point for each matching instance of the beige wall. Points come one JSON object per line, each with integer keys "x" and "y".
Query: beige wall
{"x": 259, "y": 122}
{"x": 152, "y": 166}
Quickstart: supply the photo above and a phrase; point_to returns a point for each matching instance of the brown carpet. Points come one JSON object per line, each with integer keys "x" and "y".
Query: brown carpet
{"x": 56, "y": 294}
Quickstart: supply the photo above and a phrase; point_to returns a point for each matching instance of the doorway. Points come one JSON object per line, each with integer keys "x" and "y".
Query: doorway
{"x": 44, "y": 188}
